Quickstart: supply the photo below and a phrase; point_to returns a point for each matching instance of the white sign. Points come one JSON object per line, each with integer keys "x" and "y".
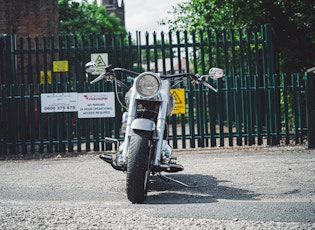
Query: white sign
{"x": 101, "y": 60}
{"x": 96, "y": 105}
{"x": 58, "y": 102}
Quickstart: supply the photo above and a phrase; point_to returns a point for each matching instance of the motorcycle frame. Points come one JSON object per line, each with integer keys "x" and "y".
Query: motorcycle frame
{"x": 147, "y": 124}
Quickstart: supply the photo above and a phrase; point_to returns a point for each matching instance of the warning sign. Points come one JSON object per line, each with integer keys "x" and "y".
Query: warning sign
{"x": 180, "y": 104}
{"x": 42, "y": 77}
{"x": 101, "y": 60}
{"x": 60, "y": 66}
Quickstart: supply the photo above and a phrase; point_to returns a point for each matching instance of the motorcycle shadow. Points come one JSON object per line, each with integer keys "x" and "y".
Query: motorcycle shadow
{"x": 202, "y": 189}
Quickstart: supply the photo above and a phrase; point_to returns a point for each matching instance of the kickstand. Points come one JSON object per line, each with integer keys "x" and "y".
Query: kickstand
{"x": 167, "y": 179}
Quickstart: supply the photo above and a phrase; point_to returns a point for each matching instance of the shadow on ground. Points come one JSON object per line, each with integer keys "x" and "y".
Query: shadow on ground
{"x": 203, "y": 189}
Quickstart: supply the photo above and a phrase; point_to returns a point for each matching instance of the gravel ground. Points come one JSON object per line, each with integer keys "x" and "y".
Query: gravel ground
{"x": 87, "y": 217}
{"x": 85, "y": 193}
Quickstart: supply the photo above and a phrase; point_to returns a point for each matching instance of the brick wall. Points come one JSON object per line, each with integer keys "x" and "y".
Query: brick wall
{"x": 29, "y": 18}
{"x": 25, "y": 18}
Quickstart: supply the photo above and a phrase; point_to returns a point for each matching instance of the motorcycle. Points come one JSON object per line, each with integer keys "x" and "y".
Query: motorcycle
{"x": 145, "y": 150}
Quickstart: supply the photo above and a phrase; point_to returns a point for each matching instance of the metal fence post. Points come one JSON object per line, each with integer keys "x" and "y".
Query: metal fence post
{"x": 310, "y": 107}
{"x": 274, "y": 82}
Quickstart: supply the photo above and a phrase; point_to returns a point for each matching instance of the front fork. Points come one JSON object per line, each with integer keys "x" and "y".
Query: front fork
{"x": 160, "y": 126}
{"x": 157, "y": 137}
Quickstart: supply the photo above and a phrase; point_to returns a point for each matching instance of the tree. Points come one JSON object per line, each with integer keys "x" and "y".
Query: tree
{"x": 84, "y": 18}
{"x": 293, "y": 22}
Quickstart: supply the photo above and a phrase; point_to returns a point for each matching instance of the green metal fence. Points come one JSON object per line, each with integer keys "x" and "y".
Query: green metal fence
{"x": 255, "y": 104}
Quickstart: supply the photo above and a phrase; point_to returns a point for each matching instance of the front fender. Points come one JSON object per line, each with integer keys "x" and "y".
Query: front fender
{"x": 143, "y": 124}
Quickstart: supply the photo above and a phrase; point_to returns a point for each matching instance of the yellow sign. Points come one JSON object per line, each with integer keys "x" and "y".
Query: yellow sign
{"x": 180, "y": 105}
{"x": 60, "y": 66}
{"x": 42, "y": 77}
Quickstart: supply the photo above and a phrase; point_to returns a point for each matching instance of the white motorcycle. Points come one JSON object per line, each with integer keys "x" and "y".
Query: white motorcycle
{"x": 145, "y": 150}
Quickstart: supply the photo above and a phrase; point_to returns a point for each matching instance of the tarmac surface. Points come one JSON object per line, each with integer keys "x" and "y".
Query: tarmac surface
{"x": 230, "y": 188}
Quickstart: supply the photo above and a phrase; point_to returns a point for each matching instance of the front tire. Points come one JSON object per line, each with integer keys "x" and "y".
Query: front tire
{"x": 138, "y": 166}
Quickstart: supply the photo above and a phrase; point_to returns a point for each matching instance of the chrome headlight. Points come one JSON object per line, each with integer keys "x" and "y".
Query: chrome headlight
{"x": 148, "y": 84}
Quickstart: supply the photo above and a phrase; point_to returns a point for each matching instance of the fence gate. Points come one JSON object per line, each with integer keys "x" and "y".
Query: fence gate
{"x": 255, "y": 104}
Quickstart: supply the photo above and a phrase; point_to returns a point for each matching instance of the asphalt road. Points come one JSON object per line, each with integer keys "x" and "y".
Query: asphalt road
{"x": 257, "y": 185}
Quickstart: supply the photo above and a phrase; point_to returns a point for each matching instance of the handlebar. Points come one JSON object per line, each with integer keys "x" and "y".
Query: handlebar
{"x": 196, "y": 78}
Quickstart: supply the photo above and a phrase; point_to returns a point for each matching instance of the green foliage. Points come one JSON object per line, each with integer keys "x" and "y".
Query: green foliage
{"x": 85, "y": 18}
{"x": 150, "y": 55}
{"x": 292, "y": 20}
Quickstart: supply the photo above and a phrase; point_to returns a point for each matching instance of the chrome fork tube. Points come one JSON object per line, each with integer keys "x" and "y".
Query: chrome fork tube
{"x": 160, "y": 126}
{"x": 132, "y": 109}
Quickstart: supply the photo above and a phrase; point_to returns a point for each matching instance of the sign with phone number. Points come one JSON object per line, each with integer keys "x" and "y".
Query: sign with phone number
{"x": 59, "y": 102}
{"x": 88, "y": 105}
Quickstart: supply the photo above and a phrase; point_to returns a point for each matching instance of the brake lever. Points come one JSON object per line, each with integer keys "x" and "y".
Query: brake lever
{"x": 100, "y": 77}
{"x": 201, "y": 80}
{"x": 209, "y": 86}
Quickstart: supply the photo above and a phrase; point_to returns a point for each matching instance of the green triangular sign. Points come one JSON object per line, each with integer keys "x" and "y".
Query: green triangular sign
{"x": 99, "y": 61}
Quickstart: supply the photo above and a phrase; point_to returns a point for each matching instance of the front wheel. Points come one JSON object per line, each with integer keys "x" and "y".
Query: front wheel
{"x": 138, "y": 171}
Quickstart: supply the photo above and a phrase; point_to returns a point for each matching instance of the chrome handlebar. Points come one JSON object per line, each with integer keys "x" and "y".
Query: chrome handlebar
{"x": 214, "y": 73}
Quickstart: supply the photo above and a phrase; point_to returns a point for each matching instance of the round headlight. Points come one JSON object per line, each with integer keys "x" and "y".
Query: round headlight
{"x": 148, "y": 84}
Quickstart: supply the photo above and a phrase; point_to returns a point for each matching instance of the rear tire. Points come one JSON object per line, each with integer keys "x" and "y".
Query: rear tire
{"x": 138, "y": 171}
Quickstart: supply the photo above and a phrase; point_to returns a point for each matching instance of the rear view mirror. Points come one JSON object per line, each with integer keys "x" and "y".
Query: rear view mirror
{"x": 216, "y": 73}
{"x": 90, "y": 67}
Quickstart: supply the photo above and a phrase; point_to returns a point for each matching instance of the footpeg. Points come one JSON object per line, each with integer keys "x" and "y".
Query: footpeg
{"x": 175, "y": 168}
{"x": 171, "y": 168}
{"x": 107, "y": 158}
{"x": 110, "y": 140}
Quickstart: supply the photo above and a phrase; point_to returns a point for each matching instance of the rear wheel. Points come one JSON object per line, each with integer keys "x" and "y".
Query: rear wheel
{"x": 138, "y": 166}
